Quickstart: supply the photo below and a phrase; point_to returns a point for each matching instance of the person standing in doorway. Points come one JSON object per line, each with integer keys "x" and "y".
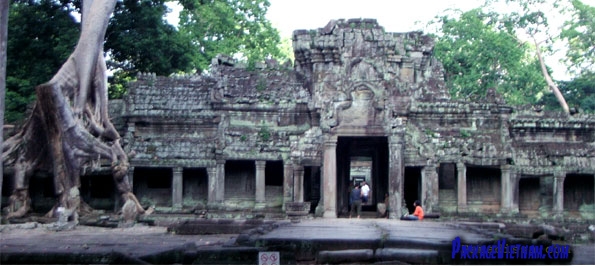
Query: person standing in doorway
{"x": 356, "y": 201}
{"x": 365, "y": 192}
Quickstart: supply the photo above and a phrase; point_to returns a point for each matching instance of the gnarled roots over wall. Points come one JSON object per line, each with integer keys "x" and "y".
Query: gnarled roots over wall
{"x": 69, "y": 127}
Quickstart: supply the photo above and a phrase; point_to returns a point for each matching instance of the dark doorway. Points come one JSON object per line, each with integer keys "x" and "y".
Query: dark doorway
{"x": 274, "y": 183}
{"x": 312, "y": 186}
{"x": 412, "y": 186}
{"x": 529, "y": 196}
{"x": 483, "y": 189}
{"x": 99, "y": 191}
{"x": 195, "y": 183}
{"x": 361, "y": 158}
{"x": 578, "y": 192}
{"x": 240, "y": 180}
{"x": 152, "y": 185}
{"x": 447, "y": 187}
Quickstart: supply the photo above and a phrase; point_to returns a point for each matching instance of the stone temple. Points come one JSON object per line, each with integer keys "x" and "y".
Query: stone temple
{"x": 359, "y": 104}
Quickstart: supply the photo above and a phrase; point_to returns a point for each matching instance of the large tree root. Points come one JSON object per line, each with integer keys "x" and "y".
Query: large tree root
{"x": 69, "y": 127}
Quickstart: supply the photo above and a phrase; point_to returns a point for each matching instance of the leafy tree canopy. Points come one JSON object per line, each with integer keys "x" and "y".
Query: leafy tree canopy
{"x": 479, "y": 51}
{"x": 42, "y": 34}
{"x": 139, "y": 39}
{"x": 232, "y": 27}
{"x": 580, "y": 35}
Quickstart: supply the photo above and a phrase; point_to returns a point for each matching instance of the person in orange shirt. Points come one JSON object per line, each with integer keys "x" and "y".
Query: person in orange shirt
{"x": 417, "y": 215}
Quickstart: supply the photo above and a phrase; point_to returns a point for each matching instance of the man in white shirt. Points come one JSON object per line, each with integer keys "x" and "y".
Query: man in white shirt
{"x": 365, "y": 192}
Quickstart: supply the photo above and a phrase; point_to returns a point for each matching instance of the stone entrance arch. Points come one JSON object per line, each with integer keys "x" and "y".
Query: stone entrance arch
{"x": 361, "y": 158}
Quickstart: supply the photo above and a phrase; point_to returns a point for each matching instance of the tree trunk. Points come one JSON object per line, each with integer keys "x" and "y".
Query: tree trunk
{"x": 3, "y": 50}
{"x": 549, "y": 80}
{"x": 69, "y": 127}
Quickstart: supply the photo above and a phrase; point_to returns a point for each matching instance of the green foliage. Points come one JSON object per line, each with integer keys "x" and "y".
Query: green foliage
{"x": 138, "y": 39}
{"x": 237, "y": 28}
{"x": 465, "y": 133}
{"x": 264, "y": 134}
{"x": 479, "y": 51}
{"x": 42, "y": 34}
{"x": 580, "y": 34}
{"x": 579, "y": 93}
{"x": 118, "y": 84}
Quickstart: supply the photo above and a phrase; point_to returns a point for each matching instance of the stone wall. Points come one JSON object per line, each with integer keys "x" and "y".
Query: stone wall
{"x": 255, "y": 138}
{"x": 353, "y": 79}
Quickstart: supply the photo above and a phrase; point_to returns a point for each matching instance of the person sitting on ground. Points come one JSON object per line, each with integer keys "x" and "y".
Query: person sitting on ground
{"x": 418, "y": 214}
{"x": 356, "y": 201}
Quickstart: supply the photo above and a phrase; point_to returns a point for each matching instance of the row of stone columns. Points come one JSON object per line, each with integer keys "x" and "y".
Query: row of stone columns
{"x": 293, "y": 183}
{"x": 293, "y": 175}
{"x": 509, "y": 186}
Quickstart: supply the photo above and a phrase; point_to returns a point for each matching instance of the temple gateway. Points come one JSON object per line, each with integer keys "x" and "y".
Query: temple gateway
{"x": 358, "y": 104}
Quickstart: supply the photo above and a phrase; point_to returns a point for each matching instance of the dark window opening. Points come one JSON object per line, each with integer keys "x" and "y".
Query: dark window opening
{"x": 447, "y": 176}
{"x": 98, "y": 186}
{"x": 240, "y": 179}
{"x": 273, "y": 173}
{"x": 578, "y": 191}
{"x": 195, "y": 183}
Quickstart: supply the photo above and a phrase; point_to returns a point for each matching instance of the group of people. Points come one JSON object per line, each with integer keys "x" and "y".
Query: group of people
{"x": 360, "y": 194}
{"x": 357, "y": 197}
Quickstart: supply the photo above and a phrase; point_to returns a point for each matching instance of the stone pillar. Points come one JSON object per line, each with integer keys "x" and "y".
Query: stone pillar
{"x": 212, "y": 193}
{"x": 559, "y": 177}
{"x": 429, "y": 188}
{"x": 461, "y": 187}
{"x": 329, "y": 177}
{"x": 298, "y": 183}
{"x": 514, "y": 189}
{"x": 220, "y": 183}
{"x": 505, "y": 189}
{"x": 260, "y": 183}
{"x": 396, "y": 169}
{"x": 177, "y": 188}
{"x": 287, "y": 182}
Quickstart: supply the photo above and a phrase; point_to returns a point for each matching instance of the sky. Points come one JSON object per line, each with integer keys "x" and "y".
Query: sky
{"x": 393, "y": 15}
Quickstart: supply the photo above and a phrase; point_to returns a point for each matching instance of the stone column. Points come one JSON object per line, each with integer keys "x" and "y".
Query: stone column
{"x": 260, "y": 184}
{"x": 298, "y": 183}
{"x": 287, "y": 182}
{"x": 559, "y": 177}
{"x": 396, "y": 169}
{"x": 429, "y": 188}
{"x": 514, "y": 189}
{"x": 329, "y": 177}
{"x": 461, "y": 187}
{"x": 220, "y": 189}
{"x": 212, "y": 196}
{"x": 177, "y": 188}
{"x": 505, "y": 189}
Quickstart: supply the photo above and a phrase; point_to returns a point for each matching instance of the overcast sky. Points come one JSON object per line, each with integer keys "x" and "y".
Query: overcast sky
{"x": 394, "y": 15}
